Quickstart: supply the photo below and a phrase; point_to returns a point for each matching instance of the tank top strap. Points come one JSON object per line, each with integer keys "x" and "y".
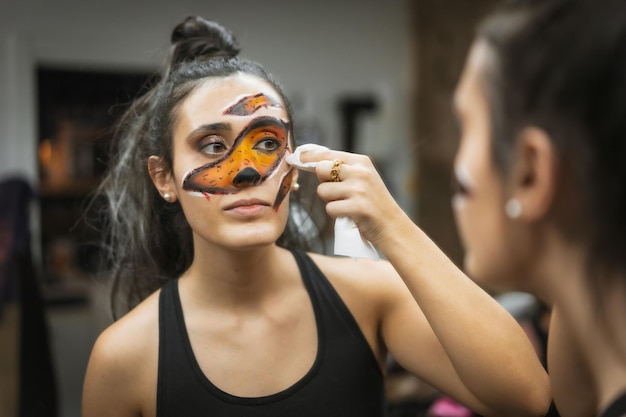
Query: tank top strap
{"x": 617, "y": 408}
{"x": 345, "y": 378}
{"x": 327, "y": 302}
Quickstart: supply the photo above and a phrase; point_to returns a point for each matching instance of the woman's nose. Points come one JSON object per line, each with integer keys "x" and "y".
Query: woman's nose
{"x": 246, "y": 177}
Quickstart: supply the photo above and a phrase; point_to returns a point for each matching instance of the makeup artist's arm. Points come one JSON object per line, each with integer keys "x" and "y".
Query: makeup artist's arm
{"x": 483, "y": 343}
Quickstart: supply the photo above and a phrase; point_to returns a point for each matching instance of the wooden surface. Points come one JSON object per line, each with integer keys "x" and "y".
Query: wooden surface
{"x": 444, "y": 30}
{"x": 9, "y": 359}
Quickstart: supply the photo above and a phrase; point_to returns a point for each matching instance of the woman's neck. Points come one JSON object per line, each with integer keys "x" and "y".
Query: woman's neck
{"x": 222, "y": 276}
{"x": 594, "y": 316}
{"x": 606, "y": 337}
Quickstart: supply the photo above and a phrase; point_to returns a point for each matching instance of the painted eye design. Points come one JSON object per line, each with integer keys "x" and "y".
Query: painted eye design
{"x": 260, "y": 147}
{"x": 267, "y": 145}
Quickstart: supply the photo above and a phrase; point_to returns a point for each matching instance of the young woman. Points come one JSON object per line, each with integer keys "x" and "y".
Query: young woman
{"x": 554, "y": 91}
{"x": 541, "y": 172}
{"x": 227, "y": 322}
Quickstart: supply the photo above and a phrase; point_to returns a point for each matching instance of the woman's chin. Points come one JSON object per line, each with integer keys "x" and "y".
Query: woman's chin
{"x": 251, "y": 238}
{"x": 495, "y": 280}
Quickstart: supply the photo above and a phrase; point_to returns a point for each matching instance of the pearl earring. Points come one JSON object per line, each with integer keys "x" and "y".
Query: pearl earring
{"x": 167, "y": 197}
{"x": 513, "y": 208}
{"x": 295, "y": 186}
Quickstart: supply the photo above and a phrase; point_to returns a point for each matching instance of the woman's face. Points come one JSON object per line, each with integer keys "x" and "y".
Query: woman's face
{"x": 480, "y": 197}
{"x": 230, "y": 140}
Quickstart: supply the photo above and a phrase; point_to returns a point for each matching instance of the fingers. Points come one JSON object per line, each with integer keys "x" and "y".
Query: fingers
{"x": 355, "y": 182}
{"x": 352, "y": 187}
{"x": 331, "y": 170}
{"x": 328, "y": 155}
{"x": 335, "y": 166}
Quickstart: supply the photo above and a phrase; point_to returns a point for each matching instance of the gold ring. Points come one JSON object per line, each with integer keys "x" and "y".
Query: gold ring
{"x": 335, "y": 170}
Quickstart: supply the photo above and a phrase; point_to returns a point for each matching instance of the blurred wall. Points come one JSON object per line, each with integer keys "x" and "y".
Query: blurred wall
{"x": 443, "y": 31}
{"x": 320, "y": 50}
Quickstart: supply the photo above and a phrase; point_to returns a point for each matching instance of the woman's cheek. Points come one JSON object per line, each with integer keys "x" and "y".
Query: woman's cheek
{"x": 461, "y": 200}
{"x": 284, "y": 180}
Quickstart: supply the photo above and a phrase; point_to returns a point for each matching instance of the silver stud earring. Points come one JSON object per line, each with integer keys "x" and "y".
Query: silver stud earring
{"x": 295, "y": 186}
{"x": 167, "y": 197}
{"x": 513, "y": 208}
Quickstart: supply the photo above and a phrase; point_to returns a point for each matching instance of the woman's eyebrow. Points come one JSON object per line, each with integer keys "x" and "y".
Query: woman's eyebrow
{"x": 210, "y": 127}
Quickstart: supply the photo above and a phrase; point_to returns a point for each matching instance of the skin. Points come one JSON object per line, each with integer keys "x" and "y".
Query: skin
{"x": 495, "y": 245}
{"x": 253, "y": 157}
{"x": 243, "y": 295}
{"x": 529, "y": 253}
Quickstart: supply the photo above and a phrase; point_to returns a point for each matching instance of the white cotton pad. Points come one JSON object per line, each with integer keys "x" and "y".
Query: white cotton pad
{"x": 349, "y": 242}
{"x": 294, "y": 158}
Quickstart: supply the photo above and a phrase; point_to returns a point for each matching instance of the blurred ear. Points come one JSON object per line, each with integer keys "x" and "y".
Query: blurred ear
{"x": 161, "y": 176}
{"x": 535, "y": 173}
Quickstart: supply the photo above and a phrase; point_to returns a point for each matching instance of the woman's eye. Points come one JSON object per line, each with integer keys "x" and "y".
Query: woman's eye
{"x": 267, "y": 145}
{"x": 216, "y": 147}
{"x": 460, "y": 189}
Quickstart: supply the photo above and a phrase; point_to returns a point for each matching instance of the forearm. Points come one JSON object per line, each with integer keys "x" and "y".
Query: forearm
{"x": 488, "y": 350}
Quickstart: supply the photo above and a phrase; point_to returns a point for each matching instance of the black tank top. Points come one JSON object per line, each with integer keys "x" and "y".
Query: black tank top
{"x": 344, "y": 380}
{"x": 617, "y": 408}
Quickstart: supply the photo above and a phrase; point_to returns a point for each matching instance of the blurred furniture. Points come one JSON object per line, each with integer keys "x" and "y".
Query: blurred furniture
{"x": 29, "y": 381}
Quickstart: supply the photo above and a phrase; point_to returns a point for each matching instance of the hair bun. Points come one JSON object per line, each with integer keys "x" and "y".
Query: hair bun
{"x": 197, "y": 38}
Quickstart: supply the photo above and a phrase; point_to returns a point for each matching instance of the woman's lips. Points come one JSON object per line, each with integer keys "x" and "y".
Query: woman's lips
{"x": 247, "y": 207}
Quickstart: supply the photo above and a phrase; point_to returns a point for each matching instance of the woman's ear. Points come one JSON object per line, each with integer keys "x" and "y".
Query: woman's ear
{"x": 162, "y": 178}
{"x": 535, "y": 174}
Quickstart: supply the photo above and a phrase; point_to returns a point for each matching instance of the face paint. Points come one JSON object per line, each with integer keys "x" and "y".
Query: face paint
{"x": 253, "y": 158}
{"x": 283, "y": 189}
{"x": 250, "y": 104}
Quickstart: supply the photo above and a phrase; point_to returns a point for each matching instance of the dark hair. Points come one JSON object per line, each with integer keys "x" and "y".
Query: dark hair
{"x": 561, "y": 65}
{"x": 147, "y": 240}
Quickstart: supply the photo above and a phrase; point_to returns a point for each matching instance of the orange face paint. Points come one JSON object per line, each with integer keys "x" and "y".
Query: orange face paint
{"x": 254, "y": 156}
{"x": 250, "y": 104}
{"x": 284, "y": 188}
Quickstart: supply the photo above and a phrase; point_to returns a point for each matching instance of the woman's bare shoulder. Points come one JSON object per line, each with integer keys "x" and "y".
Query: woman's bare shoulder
{"x": 133, "y": 336}
{"x": 371, "y": 278}
{"x": 370, "y": 289}
{"x": 347, "y": 266}
{"x": 123, "y": 367}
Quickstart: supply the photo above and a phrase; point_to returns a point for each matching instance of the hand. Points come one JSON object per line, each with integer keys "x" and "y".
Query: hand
{"x": 358, "y": 192}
